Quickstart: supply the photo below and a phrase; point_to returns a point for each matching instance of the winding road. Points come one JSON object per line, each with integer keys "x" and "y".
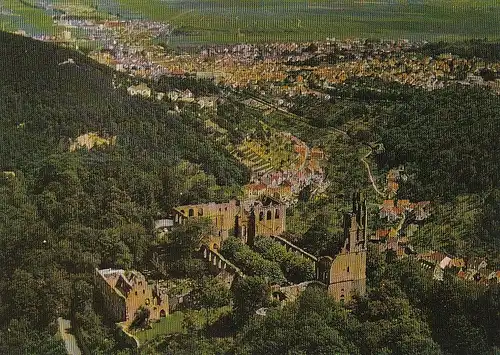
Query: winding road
{"x": 370, "y": 176}
{"x": 332, "y": 130}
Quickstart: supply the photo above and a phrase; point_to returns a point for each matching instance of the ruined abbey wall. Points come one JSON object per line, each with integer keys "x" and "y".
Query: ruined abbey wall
{"x": 343, "y": 274}
{"x": 348, "y": 276}
{"x": 233, "y": 218}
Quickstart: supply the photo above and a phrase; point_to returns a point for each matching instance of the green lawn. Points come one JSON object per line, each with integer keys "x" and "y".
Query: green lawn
{"x": 172, "y": 323}
{"x": 168, "y": 325}
{"x": 296, "y": 20}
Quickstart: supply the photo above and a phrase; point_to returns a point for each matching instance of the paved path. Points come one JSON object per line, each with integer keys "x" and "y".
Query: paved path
{"x": 69, "y": 339}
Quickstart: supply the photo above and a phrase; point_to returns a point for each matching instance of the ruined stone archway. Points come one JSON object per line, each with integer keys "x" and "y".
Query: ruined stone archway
{"x": 215, "y": 246}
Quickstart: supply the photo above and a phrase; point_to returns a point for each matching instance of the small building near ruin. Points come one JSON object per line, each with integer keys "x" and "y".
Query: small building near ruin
{"x": 124, "y": 292}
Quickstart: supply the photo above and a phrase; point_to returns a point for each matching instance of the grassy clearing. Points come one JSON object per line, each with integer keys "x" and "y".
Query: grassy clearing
{"x": 168, "y": 325}
{"x": 296, "y": 20}
{"x": 173, "y": 323}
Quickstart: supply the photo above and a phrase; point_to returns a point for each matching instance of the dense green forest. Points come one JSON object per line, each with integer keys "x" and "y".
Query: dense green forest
{"x": 446, "y": 140}
{"x": 404, "y": 312}
{"x": 63, "y": 213}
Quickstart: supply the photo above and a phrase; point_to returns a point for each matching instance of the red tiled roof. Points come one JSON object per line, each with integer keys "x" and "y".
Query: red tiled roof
{"x": 256, "y": 187}
{"x": 382, "y": 232}
{"x": 388, "y": 203}
{"x": 398, "y": 210}
{"x": 402, "y": 203}
{"x": 392, "y": 185}
{"x": 287, "y": 183}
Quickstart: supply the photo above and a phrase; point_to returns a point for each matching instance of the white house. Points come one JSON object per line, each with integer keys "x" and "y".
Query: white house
{"x": 209, "y": 102}
{"x": 141, "y": 89}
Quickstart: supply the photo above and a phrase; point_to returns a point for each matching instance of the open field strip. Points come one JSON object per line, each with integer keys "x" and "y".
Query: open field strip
{"x": 296, "y": 20}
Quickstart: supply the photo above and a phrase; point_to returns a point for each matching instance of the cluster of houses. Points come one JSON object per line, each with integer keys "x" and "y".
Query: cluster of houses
{"x": 392, "y": 210}
{"x": 186, "y": 96}
{"x": 397, "y": 238}
{"x": 286, "y": 184}
{"x": 127, "y": 45}
{"x": 262, "y": 66}
{"x": 468, "y": 269}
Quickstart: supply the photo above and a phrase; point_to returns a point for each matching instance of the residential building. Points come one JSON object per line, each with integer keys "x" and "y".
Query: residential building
{"x": 208, "y": 102}
{"x": 141, "y": 89}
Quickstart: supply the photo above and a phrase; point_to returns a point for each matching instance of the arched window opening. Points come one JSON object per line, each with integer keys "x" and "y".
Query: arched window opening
{"x": 269, "y": 215}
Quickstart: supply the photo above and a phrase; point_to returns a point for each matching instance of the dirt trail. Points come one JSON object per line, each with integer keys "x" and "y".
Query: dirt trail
{"x": 370, "y": 176}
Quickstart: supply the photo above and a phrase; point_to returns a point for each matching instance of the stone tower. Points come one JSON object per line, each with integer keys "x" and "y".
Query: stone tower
{"x": 345, "y": 273}
{"x": 251, "y": 228}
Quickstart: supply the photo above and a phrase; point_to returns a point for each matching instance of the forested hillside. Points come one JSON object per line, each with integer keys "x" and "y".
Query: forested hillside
{"x": 448, "y": 139}
{"x": 64, "y": 213}
{"x": 45, "y": 101}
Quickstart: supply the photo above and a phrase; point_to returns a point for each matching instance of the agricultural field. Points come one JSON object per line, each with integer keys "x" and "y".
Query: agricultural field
{"x": 275, "y": 152}
{"x": 209, "y": 21}
{"x": 24, "y": 15}
{"x": 35, "y": 17}
{"x": 228, "y": 21}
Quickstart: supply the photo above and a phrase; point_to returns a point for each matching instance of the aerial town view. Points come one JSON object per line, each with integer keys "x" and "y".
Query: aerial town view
{"x": 249, "y": 177}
